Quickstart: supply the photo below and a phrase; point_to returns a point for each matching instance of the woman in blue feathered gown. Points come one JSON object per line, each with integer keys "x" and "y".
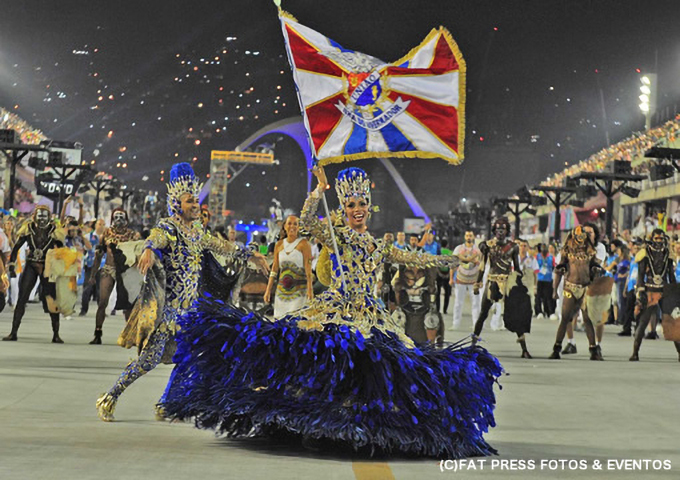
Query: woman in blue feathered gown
{"x": 339, "y": 369}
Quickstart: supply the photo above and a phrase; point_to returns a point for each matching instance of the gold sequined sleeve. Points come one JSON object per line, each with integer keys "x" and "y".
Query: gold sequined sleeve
{"x": 310, "y": 223}
{"x": 418, "y": 259}
{"x": 158, "y": 239}
{"x": 219, "y": 246}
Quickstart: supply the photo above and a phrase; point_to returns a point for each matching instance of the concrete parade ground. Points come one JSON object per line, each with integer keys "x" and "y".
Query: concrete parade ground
{"x": 548, "y": 412}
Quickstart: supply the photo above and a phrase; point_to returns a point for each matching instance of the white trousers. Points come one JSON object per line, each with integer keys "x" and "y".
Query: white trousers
{"x": 112, "y": 299}
{"x": 475, "y": 301}
{"x": 14, "y": 290}
{"x": 497, "y": 316}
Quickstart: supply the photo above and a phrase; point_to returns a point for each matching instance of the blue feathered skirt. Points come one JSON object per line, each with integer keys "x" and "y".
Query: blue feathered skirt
{"x": 241, "y": 374}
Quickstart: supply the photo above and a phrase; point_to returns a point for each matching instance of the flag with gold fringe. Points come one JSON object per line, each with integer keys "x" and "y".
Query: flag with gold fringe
{"x": 356, "y": 106}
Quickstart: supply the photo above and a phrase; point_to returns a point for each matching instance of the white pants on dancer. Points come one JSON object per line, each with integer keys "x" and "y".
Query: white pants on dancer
{"x": 112, "y": 300}
{"x": 497, "y": 318}
{"x": 14, "y": 290}
{"x": 560, "y": 301}
{"x": 475, "y": 300}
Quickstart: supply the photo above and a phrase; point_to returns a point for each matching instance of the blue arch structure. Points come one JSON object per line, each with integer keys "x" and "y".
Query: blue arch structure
{"x": 295, "y": 129}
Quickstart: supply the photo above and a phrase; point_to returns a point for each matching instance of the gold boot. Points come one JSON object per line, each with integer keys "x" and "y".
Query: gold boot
{"x": 159, "y": 412}
{"x": 106, "y": 404}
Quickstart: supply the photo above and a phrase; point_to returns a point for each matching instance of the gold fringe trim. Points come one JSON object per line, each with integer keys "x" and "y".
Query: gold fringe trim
{"x": 284, "y": 14}
{"x": 462, "y": 82}
{"x": 406, "y": 154}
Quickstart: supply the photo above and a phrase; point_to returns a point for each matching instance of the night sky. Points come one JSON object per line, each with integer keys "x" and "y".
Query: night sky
{"x": 142, "y": 84}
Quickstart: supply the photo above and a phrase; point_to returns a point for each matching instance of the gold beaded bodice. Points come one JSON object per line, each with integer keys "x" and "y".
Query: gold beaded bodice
{"x": 361, "y": 258}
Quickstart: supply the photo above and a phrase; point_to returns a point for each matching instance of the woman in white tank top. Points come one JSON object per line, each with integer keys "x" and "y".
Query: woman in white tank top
{"x": 292, "y": 269}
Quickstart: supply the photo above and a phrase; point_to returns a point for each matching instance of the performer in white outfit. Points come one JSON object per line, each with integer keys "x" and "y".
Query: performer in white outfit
{"x": 292, "y": 270}
{"x": 464, "y": 278}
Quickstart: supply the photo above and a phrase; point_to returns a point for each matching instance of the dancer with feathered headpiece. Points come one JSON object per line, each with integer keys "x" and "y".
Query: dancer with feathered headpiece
{"x": 172, "y": 283}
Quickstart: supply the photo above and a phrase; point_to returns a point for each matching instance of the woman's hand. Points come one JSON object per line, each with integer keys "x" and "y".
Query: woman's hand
{"x": 320, "y": 175}
{"x": 268, "y": 295}
{"x": 310, "y": 292}
{"x": 145, "y": 261}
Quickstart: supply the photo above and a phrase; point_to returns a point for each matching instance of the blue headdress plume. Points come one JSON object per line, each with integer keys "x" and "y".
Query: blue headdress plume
{"x": 179, "y": 170}
{"x": 182, "y": 180}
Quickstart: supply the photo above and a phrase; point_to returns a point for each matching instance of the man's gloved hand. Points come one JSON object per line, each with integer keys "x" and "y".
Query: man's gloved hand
{"x": 12, "y": 271}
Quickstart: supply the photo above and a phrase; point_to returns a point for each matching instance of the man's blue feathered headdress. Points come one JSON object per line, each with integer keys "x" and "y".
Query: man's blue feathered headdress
{"x": 182, "y": 180}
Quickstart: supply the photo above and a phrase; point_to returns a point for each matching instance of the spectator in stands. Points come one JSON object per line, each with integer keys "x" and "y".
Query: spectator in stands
{"x": 529, "y": 266}
{"x": 629, "y": 299}
{"x": 464, "y": 278}
{"x": 676, "y": 257}
{"x": 443, "y": 286}
{"x": 610, "y": 266}
{"x": 427, "y": 243}
{"x": 401, "y": 241}
{"x": 544, "y": 306}
{"x": 5, "y": 246}
{"x": 413, "y": 244}
{"x": 231, "y": 236}
{"x": 621, "y": 279}
{"x": 93, "y": 232}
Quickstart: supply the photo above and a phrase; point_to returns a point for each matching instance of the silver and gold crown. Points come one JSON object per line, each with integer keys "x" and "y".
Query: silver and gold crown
{"x": 353, "y": 182}
{"x": 182, "y": 180}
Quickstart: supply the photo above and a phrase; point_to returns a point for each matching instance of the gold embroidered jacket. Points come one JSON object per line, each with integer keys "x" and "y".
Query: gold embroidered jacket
{"x": 182, "y": 249}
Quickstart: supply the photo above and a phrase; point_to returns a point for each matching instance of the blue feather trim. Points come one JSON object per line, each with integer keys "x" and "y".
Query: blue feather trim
{"x": 180, "y": 170}
{"x": 240, "y": 374}
{"x": 350, "y": 173}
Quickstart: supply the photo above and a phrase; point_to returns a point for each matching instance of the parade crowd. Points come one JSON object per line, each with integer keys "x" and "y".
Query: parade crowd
{"x": 205, "y": 296}
{"x": 321, "y": 330}
{"x": 295, "y": 255}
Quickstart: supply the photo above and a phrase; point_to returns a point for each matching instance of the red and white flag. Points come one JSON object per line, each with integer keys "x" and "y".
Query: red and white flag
{"x": 357, "y": 106}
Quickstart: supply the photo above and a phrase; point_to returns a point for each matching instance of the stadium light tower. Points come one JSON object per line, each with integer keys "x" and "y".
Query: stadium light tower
{"x": 648, "y": 97}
